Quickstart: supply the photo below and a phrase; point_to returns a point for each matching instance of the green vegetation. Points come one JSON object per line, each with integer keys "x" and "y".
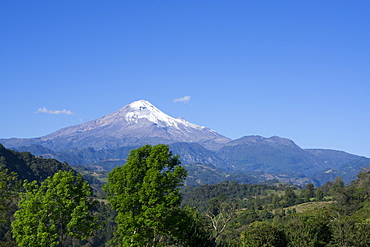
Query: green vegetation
{"x": 344, "y": 222}
{"x": 55, "y": 212}
{"x": 145, "y": 193}
{"x": 146, "y": 206}
{"x": 8, "y": 185}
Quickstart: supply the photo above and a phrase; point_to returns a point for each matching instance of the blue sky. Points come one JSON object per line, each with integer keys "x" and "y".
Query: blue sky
{"x": 296, "y": 69}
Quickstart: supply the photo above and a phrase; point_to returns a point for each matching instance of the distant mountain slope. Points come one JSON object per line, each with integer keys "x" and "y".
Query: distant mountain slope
{"x": 189, "y": 153}
{"x": 37, "y": 150}
{"x": 272, "y": 155}
{"x": 135, "y": 124}
{"x": 251, "y": 158}
{"x": 282, "y": 159}
{"x": 198, "y": 173}
{"x": 208, "y": 174}
{"x": 332, "y": 158}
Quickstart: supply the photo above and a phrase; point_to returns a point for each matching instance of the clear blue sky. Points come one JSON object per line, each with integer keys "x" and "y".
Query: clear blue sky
{"x": 296, "y": 69}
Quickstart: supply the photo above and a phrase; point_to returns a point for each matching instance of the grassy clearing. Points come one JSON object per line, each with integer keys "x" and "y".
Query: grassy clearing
{"x": 308, "y": 205}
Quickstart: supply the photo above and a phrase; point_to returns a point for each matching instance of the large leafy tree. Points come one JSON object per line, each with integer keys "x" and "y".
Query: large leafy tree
{"x": 145, "y": 193}
{"x": 55, "y": 212}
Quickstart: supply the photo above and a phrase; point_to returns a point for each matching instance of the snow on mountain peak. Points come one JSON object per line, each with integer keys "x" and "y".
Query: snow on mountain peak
{"x": 141, "y": 105}
{"x": 143, "y": 109}
{"x": 138, "y": 123}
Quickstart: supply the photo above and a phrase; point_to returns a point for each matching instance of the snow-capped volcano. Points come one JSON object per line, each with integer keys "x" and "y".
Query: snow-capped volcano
{"x": 135, "y": 124}
{"x": 143, "y": 109}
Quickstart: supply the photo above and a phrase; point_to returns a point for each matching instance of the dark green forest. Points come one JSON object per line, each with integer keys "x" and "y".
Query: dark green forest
{"x": 165, "y": 211}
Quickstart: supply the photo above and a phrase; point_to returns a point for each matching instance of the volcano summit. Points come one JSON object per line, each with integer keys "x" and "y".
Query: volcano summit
{"x": 135, "y": 124}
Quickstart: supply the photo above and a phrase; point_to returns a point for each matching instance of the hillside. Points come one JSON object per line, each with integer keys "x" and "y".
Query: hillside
{"x": 30, "y": 167}
{"x": 282, "y": 159}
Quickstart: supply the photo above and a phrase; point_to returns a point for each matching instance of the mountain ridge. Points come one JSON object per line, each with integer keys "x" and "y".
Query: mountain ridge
{"x": 106, "y": 142}
{"x": 260, "y": 161}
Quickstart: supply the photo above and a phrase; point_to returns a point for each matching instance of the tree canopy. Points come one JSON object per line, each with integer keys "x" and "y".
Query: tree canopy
{"x": 53, "y": 213}
{"x": 145, "y": 193}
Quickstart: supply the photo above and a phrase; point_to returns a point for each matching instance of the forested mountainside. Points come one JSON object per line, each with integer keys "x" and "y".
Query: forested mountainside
{"x": 28, "y": 166}
{"x": 251, "y": 159}
{"x": 223, "y": 214}
{"x": 34, "y": 168}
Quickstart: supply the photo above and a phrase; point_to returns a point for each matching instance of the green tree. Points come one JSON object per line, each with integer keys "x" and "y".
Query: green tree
{"x": 309, "y": 228}
{"x": 55, "y": 212}
{"x": 319, "y": 194}
{"x": 309, "y": 192}
{"x": 344, "y": 229}
{"x": 145, "y": 193}
{"x": 275, "y": 200}
{"x": 337, "y": 186}
{"x": 263, "y": 234}
{"x": 8, "y": 187}
{"x": 290, "y": 197}
{"x": 191, "y": 229}
{"x": 8, "y": 192}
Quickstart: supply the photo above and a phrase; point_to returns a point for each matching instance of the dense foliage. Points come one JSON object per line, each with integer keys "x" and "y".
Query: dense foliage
{"x": 228, "y": 213}
{"x": 344, "y": 222}
{"x": 55, "y": 212}
{"x": 145, "y": 193}
{"x": 15, "y": 167}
